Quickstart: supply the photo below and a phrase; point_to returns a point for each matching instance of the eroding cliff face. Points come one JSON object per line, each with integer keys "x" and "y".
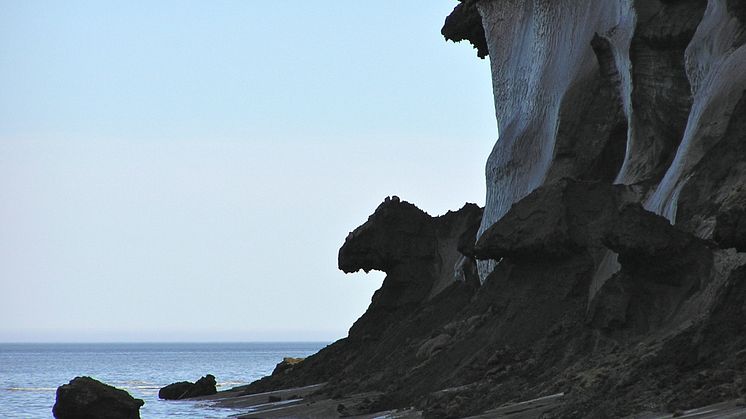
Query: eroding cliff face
{"x": 637, "y": 92}
{"x": 430, "y": 276}
{"x": 419, "y": 253}
{"x": 610, "y": 250}
{"x": 663, "y": 332}
{"x": 716, "y": 59}
{"x": 559, "y": 109}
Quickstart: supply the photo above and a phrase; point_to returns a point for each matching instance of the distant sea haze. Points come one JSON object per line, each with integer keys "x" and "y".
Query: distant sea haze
{"x": 31, "y": 373}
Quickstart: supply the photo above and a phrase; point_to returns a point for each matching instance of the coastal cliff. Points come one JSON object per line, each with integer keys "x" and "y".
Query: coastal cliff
{"x": 607, "y": 264}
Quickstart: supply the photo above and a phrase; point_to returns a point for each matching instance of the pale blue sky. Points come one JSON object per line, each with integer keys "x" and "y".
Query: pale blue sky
{"x": 187, "y": 170}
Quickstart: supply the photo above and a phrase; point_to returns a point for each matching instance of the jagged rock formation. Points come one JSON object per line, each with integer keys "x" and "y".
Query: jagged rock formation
{"x": 86, "y": 398}
{"x": 419, "y": 254}
{"x": 205, "y": 386}
{"x": 606, "y": 264}
{"x": 404, "y": 241}
{"x": 465, "y": 23}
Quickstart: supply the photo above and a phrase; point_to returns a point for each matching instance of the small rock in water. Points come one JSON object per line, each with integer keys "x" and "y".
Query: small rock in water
{"x": 86, "y": 398}
{"x": 205, "y": 386}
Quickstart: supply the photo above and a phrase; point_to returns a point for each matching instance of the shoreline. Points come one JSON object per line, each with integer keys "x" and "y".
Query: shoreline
{"x": 307, "y": 403}
{"x": 131, "y": 368}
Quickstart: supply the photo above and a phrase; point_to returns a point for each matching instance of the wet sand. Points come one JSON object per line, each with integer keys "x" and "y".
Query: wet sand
{"x": 304, "y": 402}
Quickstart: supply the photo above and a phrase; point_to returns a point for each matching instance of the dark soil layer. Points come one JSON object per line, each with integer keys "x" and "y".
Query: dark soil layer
{"x": 667, "y": 335}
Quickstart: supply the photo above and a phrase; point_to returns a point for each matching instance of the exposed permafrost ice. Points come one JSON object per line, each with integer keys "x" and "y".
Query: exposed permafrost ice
{"x": 677, "y": 104}
{"x": 717, "y": 72}
{"x": 538, "y": 49}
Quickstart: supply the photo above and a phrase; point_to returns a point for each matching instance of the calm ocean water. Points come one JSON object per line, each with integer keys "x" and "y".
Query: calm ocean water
{"x": 31, "y": 373}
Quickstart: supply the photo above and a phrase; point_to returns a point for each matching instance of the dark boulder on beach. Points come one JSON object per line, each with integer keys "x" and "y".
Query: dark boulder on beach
{"x": 205, "y": 386}
{"x": 86, "y": 398}
{"x": 175, "y": 391}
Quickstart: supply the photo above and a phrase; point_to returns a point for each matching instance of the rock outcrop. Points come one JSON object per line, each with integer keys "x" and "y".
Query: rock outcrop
{"x": 86, "y": 398}
{"x": 730, "y": 229}
{"x": 556, "y": 221}
{"x": 286, "y": 365}
{"x": 205, "y": 386}
{"x": 465, "y": 23}
{"x": 404, "y": 241}
{"x": 420, "y": 255}
{"x": 607, "y": 264}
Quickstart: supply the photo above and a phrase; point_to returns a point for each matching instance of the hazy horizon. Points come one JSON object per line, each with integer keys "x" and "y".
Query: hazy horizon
{"x": 187, "y": 171}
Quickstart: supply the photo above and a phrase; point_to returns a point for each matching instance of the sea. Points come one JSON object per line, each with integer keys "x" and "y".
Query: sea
{"x": 31, "y": 373}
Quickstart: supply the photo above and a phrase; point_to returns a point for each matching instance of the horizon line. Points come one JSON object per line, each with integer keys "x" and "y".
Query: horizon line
{"x": 159, "y": 342}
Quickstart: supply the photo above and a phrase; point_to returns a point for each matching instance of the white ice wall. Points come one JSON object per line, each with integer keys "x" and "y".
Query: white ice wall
{"x": 717, "y": 73}
{"x": 537, "y": 49}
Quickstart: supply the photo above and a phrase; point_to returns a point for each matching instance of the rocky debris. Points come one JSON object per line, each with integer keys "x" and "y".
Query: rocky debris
{"x": 312, "y": 406}
{"x": 87, "y": 398}
{"x": 465, "y": 23}
{"x": 730, "y": 229}
{"x": 650, "y": 248}
{"x": 357, "y": 406}
{"x": 433, "y": 345}
{"x": 609, "y": 309}
{"x": 286, "y": 365}
{"x": 205, "y": 386}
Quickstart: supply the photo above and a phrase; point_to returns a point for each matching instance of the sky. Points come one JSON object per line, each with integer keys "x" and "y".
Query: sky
{"x": 187, "y": 170}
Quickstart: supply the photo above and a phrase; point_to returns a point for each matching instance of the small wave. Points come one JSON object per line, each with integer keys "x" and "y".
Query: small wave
{"x": 136, "y": 383}
{"x": 232, "y": 383}
{"x": 38, "y": 389}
